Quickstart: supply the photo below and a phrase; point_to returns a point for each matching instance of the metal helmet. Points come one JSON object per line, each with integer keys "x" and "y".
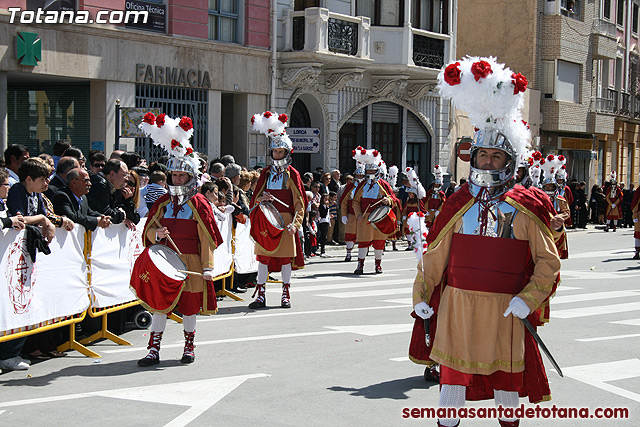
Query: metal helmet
{"x": 188, "y": 190}
{"x": 492, "y": 139}
{"x": 281, "y": 141}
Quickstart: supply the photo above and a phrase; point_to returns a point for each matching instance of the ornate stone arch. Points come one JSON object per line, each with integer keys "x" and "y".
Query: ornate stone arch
{"x": 423, "y": 119}
{"x": 319, "y": 97}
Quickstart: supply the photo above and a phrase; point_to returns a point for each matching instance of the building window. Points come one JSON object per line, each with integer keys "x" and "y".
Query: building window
{"x": 568, "y": 82}
{"x": 430, "y": 15}
{"x": 571, "y": 8}
{"x": 303, "y": 4}
{"x": 548, "y": 79}
{"x": 387, "y": 13}
{"x": 606, "y": 9}
{"x": 223, "y": 20}
{"x": 634, "y": 20}
{"x": 620, "y": 18}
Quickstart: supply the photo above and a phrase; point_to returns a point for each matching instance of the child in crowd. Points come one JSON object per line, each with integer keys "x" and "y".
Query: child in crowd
{"x": 157, "y": 187}
{"x": 333, "y": 214}
{"x": 313, "y": 232}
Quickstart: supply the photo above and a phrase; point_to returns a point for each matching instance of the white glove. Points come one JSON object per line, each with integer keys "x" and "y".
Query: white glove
{"x": 613, "y": 206}
{"x": 229, "y": 209}
{"x": 518, "y": 308}
{"x": 345, "y": 220}
{"x": 207, "y": 275}
{"x": 635, "y": 220}
{"x": 436, "y": 214}
{"x": 423, "y": 310}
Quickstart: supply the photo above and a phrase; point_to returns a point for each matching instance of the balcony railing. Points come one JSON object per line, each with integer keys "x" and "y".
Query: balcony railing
{"x": 602, "y": 26}
{"x": 619, "y": 103}
{"x": 317, "y": 29}
{"x": 429, "y": 49}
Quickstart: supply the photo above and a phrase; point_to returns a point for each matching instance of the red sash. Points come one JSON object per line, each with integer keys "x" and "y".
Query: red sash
{"x": 284, "y": 196}
{"x": 184, "y": 232}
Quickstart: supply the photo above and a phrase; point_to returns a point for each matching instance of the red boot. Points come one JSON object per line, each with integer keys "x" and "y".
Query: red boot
{"x": 188, "y": 355}
{"x": 153, "y": 358}
{"x": 515, "y": 423}
{"x": 440, "y": 425}
{"x": 261, "y": 300}
{"x": 360, "y": 268}
{"x": 378, "y": 266}
{"x": 285, "y": 302}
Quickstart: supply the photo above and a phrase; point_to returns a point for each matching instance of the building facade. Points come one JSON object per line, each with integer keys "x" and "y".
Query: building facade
{"x": 581, "y": 59}
{"x": 206, "y": 59}
{"x": 363, "y": 72}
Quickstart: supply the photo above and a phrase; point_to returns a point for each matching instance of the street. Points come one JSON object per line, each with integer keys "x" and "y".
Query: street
{"x": 338, "y": 357}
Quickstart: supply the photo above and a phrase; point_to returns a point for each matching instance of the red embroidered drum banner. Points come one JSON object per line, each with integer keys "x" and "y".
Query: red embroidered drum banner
{"x": 263, "y": 231}
{"x": 155, "y": 278}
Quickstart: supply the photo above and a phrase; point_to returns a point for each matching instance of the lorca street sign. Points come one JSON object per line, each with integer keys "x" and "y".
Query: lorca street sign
{"x": 304, "y": 140}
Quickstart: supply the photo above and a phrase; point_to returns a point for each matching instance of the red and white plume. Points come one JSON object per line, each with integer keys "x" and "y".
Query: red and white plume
{"x": 414, "y": 182}
{"x": 172, "y": 134}
{"x": 418, "y": 227}
{"x": 271, "y": 124}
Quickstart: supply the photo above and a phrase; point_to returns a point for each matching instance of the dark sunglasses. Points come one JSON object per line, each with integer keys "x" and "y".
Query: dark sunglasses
{"x": 98, "y": 165}
{"x": 131, "y": 183}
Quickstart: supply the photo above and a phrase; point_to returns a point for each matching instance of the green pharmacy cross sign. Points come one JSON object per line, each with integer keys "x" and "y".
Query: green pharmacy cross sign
{"x": 28, "y": 48}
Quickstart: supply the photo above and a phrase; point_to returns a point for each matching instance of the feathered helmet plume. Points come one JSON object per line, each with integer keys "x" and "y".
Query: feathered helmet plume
{"x": 418, "y": 227}
{"x": 613, "y": 177}
{"x": 415, "y": 183}
{"x": 535, "y": 172}
{"x": 561, "y": 173}
{"x": 393, "y": 176}
{"x": 438, "y": 173}
{"x": 273, "y": 125}
{"x": 371, "y": 158}
{"x": 172, "y": 134}
{"x": 550, "y": 167}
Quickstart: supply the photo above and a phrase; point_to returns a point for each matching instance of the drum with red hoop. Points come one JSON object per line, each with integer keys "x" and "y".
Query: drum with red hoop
{"x": 267, "y": 225}
{"x": 158, "y": 276}
{"x": 383, "y": 219}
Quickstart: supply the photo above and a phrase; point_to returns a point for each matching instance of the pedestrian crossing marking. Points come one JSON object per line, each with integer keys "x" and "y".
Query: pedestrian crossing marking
{"x": 599, "y": 374}
{"x": 346, "y": 285}
{"x": 630, "y": 322}
{"x": 400, "y": 359}
{"x": 371, "y": 293}
{"x": 573, "y": 313}
{"x": 612, "y": 337}
{"x": 594, "y": 296}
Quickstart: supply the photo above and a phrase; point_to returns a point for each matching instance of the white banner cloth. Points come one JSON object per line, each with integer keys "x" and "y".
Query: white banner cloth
{"x": 222, "y": 256}
{"x": 35, "y": 294}
{"x": 245, "y": 257}
{"x": 114, "y": 250}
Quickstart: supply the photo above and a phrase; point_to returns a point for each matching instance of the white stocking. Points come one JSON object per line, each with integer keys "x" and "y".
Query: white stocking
{"x": 508, "y": 399}
{"x": 189, "y": 323}
{"x": 286, "y": 274}
{"x": 378, "y": 253}
{"x": 158, "y": 322}
{"x": 263, "y": 273}
{"x": 362, "y": 253}
{"x": 637, "y": 242}
{"x": 451, "y": 396}
{"x": 351, "y": 244}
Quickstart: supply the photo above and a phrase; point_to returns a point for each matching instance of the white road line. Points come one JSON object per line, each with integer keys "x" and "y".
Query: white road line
{"x": 612, "y": 337}
{"x": 602, "y": 254}
{"x": 344, "y": 285}
{"x": 595, "y": 310}
{"x": 630, "y": 322}
{"x": 313, "y": 280}
{"x": 260, "y": 315}
{"x": 371, "y": 293}
{"x": 596, "y": 275}
{"x": 399, "y": 359}
{"x": 404, "y": 301}
{"x": 366, "y": 330}
{"x": 595, "y": 296}
{"x": 198, "y": 396}
{"x": 598, "y": 373}
{"x": 562, "y": 288}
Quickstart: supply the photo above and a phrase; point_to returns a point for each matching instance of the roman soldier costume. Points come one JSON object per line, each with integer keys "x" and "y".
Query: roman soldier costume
{"x": 346, "y": 207}
{"x": 278, "y": 246}
{"x": 373, "y": 194}
{"x": 614, "y": 202}
{"x": 563, "y": 189}
{"x": 188, "y": 217}
{"x": 414, "y": 203}
{"x": 435, "y": 197}
{"x": 491, "y": 259}
{"x": 550, "y": 186}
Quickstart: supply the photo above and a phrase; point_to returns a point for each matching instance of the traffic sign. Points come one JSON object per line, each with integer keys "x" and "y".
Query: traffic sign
{"x": 304, "y": 140}
{"x": 464, "y": 151}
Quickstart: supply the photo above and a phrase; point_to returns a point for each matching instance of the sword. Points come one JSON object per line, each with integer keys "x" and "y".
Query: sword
{"x": 544, "y": 348}
{"x": 427, "y": 337}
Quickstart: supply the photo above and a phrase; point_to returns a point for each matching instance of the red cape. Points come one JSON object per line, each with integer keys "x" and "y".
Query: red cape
{"x": 395, "y": 203}
{"x": 293, "y": 174}
{"x": 636, "y": 199}
{"x": 199, "y": 204}
{"x": 346, "y": 192}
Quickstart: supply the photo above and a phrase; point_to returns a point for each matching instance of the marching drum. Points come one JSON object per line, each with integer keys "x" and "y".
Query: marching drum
{"x": 267, "y": 225}
{"x": 158, "y": 276}
{"x": 383, "y": 219}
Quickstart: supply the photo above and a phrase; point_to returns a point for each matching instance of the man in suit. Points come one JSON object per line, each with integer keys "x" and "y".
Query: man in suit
{"x": 110, "y": 196}
{"x": 58, "y": 181}
{"x": 71, "y": 201}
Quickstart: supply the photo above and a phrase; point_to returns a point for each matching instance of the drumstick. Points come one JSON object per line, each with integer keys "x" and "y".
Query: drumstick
{"x": 280, "y": 201}
{"x": 169, "y": 238}
{"x": 191, "y": 273}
